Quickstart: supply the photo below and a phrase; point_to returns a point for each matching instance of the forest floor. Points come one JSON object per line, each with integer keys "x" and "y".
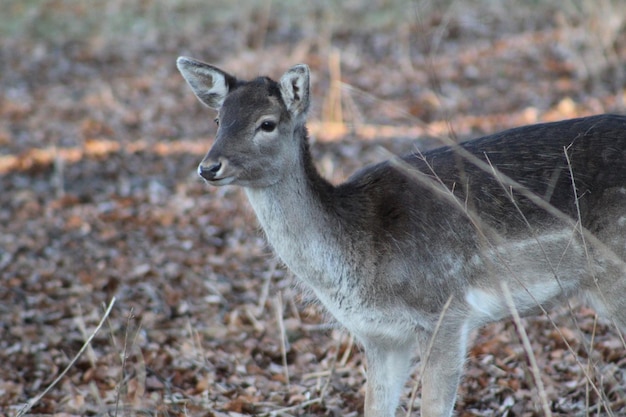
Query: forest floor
{"x": 100, "y": 204}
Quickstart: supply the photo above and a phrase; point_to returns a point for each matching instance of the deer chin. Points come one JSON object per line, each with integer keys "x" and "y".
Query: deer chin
{"x": 218, "y": 182}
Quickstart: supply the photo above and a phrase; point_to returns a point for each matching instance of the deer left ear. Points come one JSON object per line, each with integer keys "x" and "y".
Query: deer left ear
{"x": 294, "y": 87}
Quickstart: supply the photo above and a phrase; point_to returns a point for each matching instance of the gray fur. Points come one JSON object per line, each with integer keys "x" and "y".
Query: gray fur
{"x": 389, "y": 249}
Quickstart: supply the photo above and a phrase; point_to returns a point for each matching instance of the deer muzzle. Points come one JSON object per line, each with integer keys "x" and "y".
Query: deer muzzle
{"x": 210, "y": 170}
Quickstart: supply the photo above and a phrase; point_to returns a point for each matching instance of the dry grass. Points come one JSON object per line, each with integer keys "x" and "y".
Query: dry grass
{"x": 99, "y": 200}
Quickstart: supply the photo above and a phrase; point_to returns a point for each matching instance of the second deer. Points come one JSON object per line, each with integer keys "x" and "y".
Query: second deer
{"x": 413, "y": 253}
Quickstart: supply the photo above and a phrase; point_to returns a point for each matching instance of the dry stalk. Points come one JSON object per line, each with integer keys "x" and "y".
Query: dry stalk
{"x": 302, "y": 405}
{"x": 332, "y": 370}
{"x": 507, "y": 183}
{"x": 293, "y": 306}
{"x": 120, "y": 384}
{"x": 600, "y": 392}
{"x": 327, "y": 372}
{"x": 332, "y": 110}
{"x": 278, "y": 308}
{"x": 347, "y": 351}
{"x": 426, "y": 355}
{"x": 543, "y": 396}
{"x": 80, "y": 322}
{"x": 256, "y": 324}
{"x": 553, "y": 270}
{"x": 265, "y": 290}
{"x": 587, "y": 391}
{"x": 35, "y": 400}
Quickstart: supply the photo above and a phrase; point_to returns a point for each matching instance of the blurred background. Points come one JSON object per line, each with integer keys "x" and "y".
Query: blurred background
{"x": 99, "y": 142}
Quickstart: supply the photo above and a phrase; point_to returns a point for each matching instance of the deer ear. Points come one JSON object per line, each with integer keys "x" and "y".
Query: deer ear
{"x": 294, "y": 87}
{"x": 209, "y": 84}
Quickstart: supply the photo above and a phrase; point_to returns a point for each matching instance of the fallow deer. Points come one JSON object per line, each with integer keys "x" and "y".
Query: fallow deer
{"x": 413, "y": 253}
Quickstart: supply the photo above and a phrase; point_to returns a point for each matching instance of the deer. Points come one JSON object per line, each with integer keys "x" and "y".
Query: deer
{"x": 414, "y": 253}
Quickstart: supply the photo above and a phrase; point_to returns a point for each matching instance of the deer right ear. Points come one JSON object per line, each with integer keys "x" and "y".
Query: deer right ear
{"x": 209, "y": 84}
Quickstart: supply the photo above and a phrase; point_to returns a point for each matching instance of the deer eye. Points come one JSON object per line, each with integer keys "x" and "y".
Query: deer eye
{"x": 268, "y": 126}
{"x": 217, "y": 121}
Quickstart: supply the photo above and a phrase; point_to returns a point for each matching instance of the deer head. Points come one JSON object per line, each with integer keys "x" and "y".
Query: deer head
{"x": 256, "y": 145}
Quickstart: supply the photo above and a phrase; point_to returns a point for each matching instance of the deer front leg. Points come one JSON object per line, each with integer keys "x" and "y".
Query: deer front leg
{"x": 388, "y": 366}
{"x": 442, "y": 369}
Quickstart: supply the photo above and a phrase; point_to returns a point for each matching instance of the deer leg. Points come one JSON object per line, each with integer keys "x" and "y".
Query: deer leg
{"x": 444, "y": 357}
{"x": 388, "y": 366}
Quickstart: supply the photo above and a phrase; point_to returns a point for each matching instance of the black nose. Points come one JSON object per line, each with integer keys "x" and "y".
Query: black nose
{"x": 208, "y": 173}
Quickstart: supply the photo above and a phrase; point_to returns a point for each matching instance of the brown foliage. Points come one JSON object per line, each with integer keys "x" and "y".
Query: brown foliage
{"x": 99, "y": 140}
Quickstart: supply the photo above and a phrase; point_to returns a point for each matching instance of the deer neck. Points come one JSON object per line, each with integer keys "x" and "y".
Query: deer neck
{"x": 295, "y": 216}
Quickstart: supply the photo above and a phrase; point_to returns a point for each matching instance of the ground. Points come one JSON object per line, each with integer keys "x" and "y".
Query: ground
{"x": 100, "y": 205}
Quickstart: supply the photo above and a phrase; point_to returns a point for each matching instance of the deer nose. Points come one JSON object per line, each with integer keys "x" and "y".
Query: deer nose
{"x": 209, "y": 172}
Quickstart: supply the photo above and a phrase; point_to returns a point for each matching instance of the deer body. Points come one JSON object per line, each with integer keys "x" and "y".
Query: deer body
{"x": 412, "y": 253}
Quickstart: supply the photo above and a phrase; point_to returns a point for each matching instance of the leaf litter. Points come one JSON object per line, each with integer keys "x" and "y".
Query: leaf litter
{"x": 99, "y": 200}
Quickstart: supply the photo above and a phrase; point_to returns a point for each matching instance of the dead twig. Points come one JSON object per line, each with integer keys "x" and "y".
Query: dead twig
{"x": 120, "y": 386}
{"x": 294, "y": 407}
{"x": 534, "y": 368}
{"x": 427, "y": 355}
{"x": 278, "y": 305}
{"x": 35, "y": 400}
